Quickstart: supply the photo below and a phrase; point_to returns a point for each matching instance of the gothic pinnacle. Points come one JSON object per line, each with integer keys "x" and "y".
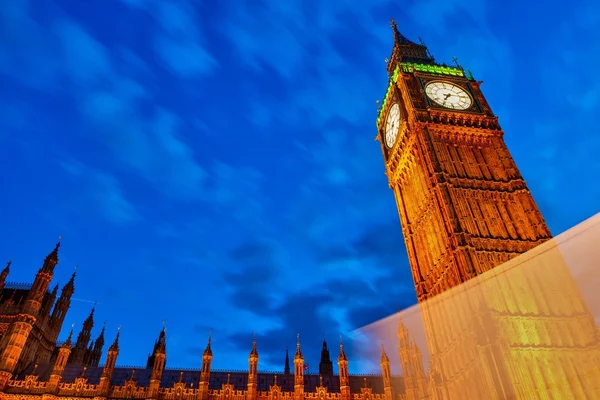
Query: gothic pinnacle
{"x": 384, "y": 357}
{"x": 115, "y": 345}
{"x": 298, "y": 354}
{"x": 342, "y": 356}
{"x": 208, "y": 349}
{"x": 254, "y": 352}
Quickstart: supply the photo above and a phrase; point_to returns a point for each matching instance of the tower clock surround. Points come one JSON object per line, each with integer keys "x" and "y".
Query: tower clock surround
{"x": 448, "y": 95}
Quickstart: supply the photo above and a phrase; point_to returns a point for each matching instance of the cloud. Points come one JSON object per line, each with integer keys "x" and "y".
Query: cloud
{"x": 86, "y": 60}
{"x": 105, "y": 192}
{"x": 180, "y": 44}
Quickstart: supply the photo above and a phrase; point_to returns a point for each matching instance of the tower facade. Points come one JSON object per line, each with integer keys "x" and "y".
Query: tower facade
{"x": 465, "y": 209}
{"x": 464, "y": 206}
{"x": 26, "y": 329}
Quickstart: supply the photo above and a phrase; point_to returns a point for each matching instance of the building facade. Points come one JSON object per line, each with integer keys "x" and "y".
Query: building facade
{"x": 33, "y": 365}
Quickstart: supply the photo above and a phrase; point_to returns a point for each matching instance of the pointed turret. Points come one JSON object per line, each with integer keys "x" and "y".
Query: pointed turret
{"x": 251, "y": 393}
{"x": 343, "y": 373}
{"x": 205, "y": 373}
{"x": 386, "y": 374}
{"x": 35, "y": 296}
{"x": 325, "y": 365}
{"x": 115, "y": 345}
{"x": 96, "y": 352}
{"x": 298, "y": 371}
{"x": 208, "y": 349}
{"x": 159, "y": 357}
{"x": 161, "y": 339}
{"x": 407, "y": 51}
{"x": 109, "y": 366}
{"x": 69, "y": 343}
{"x": 78, "y": 355}
{"x": 298, "y": 355}
{"x": 62, "y": 306}
{"x": 51, "y": 260}
{"x": 254, "y": 352}
{"x": 3, "y": 275}
{"x": 286, "y": 368}
{"x": 60, "y": 362}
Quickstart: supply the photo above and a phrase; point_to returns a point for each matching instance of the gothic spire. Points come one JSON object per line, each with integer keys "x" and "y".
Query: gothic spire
{"x": 398, "y": 37}
{"x": 68, "y": 343}
{"x": 208, "y": 349}
{"x": 342, "y": 356}
{"x": 407, "y": 51}
{"x": 6, "y": 270}
{"x": 298, "y": 354}
{"x": 100, "y": 339}
{"x": 70, "y": 286}
{"x": 384, "y": 358}
{"x": 254, "y": 352}
{"x": 286, "y": 368}
{"x": 115, "y": 345}
{"x": 4, "y": 274}
{"x": 51, "y": 259}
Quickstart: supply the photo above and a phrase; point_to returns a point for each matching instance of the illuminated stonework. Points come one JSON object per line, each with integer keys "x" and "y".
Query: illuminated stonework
{"x": 71, "y": 371}
{"x": 465, "y": 210}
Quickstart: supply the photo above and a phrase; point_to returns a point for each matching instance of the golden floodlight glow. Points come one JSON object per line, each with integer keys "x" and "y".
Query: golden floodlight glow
{"x": 526, "y": 329}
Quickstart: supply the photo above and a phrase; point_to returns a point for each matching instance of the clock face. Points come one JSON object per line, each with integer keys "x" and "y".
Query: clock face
{"x": 448, "y": 95}
{"x": 392, "y": 125}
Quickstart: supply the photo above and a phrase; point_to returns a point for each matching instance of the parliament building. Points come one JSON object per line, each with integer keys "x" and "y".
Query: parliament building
{"x": 464, "y": 210}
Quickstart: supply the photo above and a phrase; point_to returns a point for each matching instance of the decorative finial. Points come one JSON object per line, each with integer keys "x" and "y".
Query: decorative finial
{"x": 275, "y": 377}
{"x": 421, "y": 42}
{"x": 228, "y": 377}
{"x": 59, "y": 238}
{"x": 164, "y": 325}
{"x": 393, "y": 24}
{"x": 455, "y": 59}
{"x": 75, "y": 268}
{"x": 341, "y": 342}
{"x": 298, "y": 337}
{"x": 73, "y": 325}
{"x": 118, "y": 328}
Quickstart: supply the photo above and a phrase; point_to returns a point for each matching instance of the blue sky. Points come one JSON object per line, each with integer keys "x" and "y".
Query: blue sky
{"x": 212, "y": 163}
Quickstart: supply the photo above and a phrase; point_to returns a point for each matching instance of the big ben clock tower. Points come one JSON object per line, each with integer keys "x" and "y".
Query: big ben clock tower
{"x": 465, "y": 209}
{"x": 463, "y": 204}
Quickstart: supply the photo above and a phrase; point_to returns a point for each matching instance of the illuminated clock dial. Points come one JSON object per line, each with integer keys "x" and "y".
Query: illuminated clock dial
{"x": 448, "y": 95}
{"x": 392, "y": 125}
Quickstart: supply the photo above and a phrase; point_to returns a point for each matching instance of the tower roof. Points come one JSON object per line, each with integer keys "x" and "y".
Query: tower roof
{"x": 115, "y": 345}
{"x": 254, "y": 352}
{"x": 342, "y": 356}
{"x": 51, "y": 259}
{"x": 208, "y": 349}
{"x": 406, "y": 50}
{"x": 298, "y": 354}
{"x": 384, "y": 358}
